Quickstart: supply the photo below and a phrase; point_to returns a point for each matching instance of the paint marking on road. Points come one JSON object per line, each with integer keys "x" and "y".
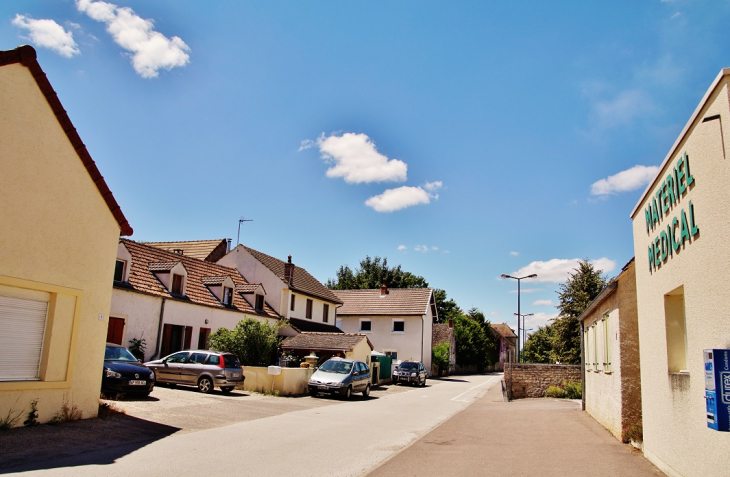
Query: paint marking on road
{"x": 471, "y": 389}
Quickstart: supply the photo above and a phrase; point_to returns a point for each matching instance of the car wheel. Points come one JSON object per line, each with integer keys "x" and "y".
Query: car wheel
{"x": 226, "y": 389}
{"x": 205, "y": 385}
{"x": 423, "y": 384}
{"x": 366, "y": 392}
{"x": 313, "y": 393}
{"x": 348, "y": 392}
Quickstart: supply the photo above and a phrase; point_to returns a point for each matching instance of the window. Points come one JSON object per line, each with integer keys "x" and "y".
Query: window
{"x": 595, "y": 348}
{"x": 293, "y": 301}
{"x": 259, "y": 302}
{"x": 177, "y": 284}
{"x": 197, "y": 358}
{"x": 366, "y": 326}
{"x": 399, "y": 326}
{"x": 22, "y": 326}
{"x": 119, "y": 270}
{"x": 227, "y": 296}
{"x": 178, "y": 357}
{"x": 676, "y": 331}
{"x": 606, "y": 345}
{"x": 393, "y": 355}
{"x": 326, "y": 313}
{"x": 214, "y": 359}
{"x": 587, "y": 356}
{"x": 309, "y": 308}
{"x": 203, "y": 338}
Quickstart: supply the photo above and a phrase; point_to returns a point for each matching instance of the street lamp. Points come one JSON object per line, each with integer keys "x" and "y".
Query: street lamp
{"x": 519, "y": 279}
{"x": 524, "y": 333}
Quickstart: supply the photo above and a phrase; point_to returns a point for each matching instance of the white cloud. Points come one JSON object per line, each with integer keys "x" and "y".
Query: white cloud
{"x": 542, "y": 303}
{"x": 557, "y": 269}
{"x": 621, "y": 109}
{"x": 631, "y": 179}
{"x": 421, "y": 248}
{"x": 433, "y": 186}
{"x": 514, "y": 254}
{"x": 48, "y": 34}
{"x": 402, "y": 197}
{"x": 528, "y": 290}
{"x": 151, "y": 50}
{"x": 494, "y": 313}
{"x": 354, "y": 158}
{"x": 402, "y": 247}
{"x": 538, "y": 319}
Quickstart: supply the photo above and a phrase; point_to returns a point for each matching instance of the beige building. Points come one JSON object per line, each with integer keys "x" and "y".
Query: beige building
{"x": 681, "y": 229}
{"x": 612, "y": 381}
{"x": 398, "y": 321}
{"x": 60, "y": 227}
{"x": 175, "y": 301}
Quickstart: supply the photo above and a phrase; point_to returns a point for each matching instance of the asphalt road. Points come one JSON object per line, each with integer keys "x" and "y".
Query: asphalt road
{"x": 324, "y": 437}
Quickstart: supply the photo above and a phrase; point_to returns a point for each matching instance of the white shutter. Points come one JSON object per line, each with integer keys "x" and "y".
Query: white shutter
{"x": 22, "y": 327}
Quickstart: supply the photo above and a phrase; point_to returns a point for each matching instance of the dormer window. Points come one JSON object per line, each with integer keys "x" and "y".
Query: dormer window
{"x": 227, "y": 296}
{"x": 119, "y": 270}
{"x": 178, "y": 283}
{"x": 259, "y": 302}
{"x": 254, "y": 294}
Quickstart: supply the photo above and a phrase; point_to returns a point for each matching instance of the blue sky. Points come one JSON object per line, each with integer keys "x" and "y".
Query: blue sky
{"x": 461, "y": 140}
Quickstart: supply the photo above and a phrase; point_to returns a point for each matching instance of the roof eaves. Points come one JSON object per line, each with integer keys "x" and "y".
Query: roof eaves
{"x": 605, "y": 293}
{"x": 26, "y": 56}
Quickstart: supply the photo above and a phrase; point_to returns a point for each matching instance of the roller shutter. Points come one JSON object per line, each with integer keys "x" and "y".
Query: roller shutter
{"x": 22, "y": 327}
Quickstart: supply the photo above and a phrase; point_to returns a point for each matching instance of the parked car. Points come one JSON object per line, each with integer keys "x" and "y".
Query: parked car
{"x": 202, "y": 368}
{"x": 341, "y": 376}
{"x": 411, "y": 372}
{"x": 123, "y": 373}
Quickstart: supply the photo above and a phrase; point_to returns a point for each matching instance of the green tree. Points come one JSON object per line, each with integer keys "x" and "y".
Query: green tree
{"x": 373, "y": 273}
{"x": 445, "y": 308}
{"x": 539, "y": 346}
{"x": 582, "y": 286}
{"x": 491, "y": 340}
{"x": 472, "y": 343}
{"x": 440, "y": 354}
{"x": 252, "y": 341}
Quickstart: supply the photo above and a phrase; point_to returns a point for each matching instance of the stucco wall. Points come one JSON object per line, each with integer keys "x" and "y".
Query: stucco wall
{"x": 676, "y": 437}
{"x": 58, "y": 237}
{"x": 410, "y": 344}
{"x": 291, "y": 381}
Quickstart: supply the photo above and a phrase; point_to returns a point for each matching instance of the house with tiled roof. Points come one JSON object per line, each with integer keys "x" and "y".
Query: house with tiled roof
{"x": 292, "y": 291}
{"x": 59, "y": 233}
{"x": 174, "y": 301}
{"x": 507, "y": 340}
{"x": 355, "y": 346}
{"x": 208, "y": 250}
{"x": 398, "y": 321}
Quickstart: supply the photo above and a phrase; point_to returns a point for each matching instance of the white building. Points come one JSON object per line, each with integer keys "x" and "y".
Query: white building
{"x": 292, "y": 292}
{"x": 174, "y": 301}
{"x": 399, "y": 322}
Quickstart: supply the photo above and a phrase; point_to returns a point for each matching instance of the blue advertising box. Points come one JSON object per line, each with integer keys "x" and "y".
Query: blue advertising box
{"x": 717, "y": 388}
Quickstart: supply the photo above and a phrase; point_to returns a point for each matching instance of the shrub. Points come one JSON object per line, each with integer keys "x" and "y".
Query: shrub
{"x": 556, "y": 392}
{"x": 252, "y": 341}
{"x": 137, "y": 347}
{"x": 573, "y": 389}
{"x": 32, "y": 414}
{"x": 66, "y": 414}
{"x": 440, "y": 354}
{"x": 635, "y": 432}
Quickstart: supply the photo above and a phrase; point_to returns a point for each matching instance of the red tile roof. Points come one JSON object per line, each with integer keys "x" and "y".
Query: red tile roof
{"x": 302, "y": 282}
{"x": 142, "y": 279}
{"x": 325, "y": 341}
{"x": 504, "y": 330}
{"x": 211, "y": 281}
{"x": 209, "y": 250}
{"x": 26, "y": 56}
{"x": 313, "y": 326}
{"x": 247, "y": 288}
{"x": 398, "y": 301}
{"x": 162, "y": 266}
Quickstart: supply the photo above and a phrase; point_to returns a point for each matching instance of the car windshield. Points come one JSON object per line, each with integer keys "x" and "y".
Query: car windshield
{"x": 117, "y": 353}
{"x": 340, "y": 367}
{"x": 408, "y": 366}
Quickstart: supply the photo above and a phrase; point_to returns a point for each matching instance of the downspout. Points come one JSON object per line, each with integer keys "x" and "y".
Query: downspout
{"x": 423, "y": 318}
{"x": 159, "y": 329}
{"x": 582, "y": 369}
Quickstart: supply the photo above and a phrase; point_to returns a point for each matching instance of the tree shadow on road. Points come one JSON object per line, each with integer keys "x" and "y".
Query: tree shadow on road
{"x": 85, "y": 442}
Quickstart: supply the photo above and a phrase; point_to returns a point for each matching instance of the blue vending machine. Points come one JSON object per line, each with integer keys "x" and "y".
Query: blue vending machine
{"x": 717, "y": 388}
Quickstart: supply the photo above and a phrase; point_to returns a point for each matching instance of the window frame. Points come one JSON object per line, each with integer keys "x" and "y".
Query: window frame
{"x": 227, "y": 296}
{"x": 308, "y": 310}
{"x": 292, "y": 302}
{"x": 606, "y": 344}
{"x": 256, "y": 305}
{"x": 325, "y": 313}
{"x": 370, "y": 325}
{"x": 402, "y": 322}
{"x": 174, "y": 289}
{"x": 123, "y": 270}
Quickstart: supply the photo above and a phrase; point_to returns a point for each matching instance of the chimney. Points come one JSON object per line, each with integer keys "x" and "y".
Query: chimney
{"x": 383, "y": 290}
{"x": 228, "y": 246}
{"x": 178, "y": 251}
{"x": 289, "y": 271}
{"x": 451, "y": 322}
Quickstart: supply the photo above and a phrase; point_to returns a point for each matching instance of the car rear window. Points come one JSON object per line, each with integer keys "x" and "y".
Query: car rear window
{"x": 214, "y": 359}
{"x": 231, "y": 361}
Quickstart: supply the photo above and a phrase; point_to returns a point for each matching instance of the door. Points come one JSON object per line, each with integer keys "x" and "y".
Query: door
{"x": 171, "y": 369}
{"x": 190, "y": 370}
{"x": 172, "y": 339}
{"x": 115, "y": 332}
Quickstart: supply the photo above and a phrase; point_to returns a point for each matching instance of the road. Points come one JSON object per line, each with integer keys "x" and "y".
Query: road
{"x": 346, "y": 439}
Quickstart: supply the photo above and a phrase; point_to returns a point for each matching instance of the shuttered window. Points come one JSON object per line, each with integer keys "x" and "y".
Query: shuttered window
{"x": 22, "y": 327}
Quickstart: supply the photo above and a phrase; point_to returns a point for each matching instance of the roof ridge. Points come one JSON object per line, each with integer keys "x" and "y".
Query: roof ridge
{"x": 184, "y": 241}
{"x": 180, "y": 258}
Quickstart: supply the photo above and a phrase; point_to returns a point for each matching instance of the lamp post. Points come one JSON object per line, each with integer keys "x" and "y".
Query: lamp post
{"x": 522, "y": 343}
{"x": 519, "y": 279}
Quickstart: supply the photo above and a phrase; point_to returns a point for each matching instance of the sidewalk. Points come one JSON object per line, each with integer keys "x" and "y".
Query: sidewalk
{"x": 523, "y": 437}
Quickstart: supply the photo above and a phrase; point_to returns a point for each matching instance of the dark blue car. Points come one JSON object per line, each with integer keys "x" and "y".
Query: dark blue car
{"x": 124, "y": 374}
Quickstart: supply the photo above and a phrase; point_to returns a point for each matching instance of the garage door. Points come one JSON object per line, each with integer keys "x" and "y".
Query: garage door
{"x": 22, "y": 326}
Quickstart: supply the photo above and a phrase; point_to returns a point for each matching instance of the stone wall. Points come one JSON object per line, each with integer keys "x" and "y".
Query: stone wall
{"x": 531, "y": 380}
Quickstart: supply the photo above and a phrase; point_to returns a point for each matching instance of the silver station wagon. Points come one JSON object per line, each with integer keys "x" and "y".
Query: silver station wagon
{"x": 341, "y": 376}
{"x": 202, "y": 368}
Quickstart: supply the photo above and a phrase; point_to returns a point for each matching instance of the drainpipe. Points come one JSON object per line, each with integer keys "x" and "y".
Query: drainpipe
{"x": 582, "y": 369}
{"x": 423, "y": 318}
{"x": 159, "y": 329}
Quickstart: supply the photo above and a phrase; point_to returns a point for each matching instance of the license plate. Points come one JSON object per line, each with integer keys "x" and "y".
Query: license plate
{"x": 322, "y": 387}
{"x": 137, "y": 383}
{"x": 236, "y": 375}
